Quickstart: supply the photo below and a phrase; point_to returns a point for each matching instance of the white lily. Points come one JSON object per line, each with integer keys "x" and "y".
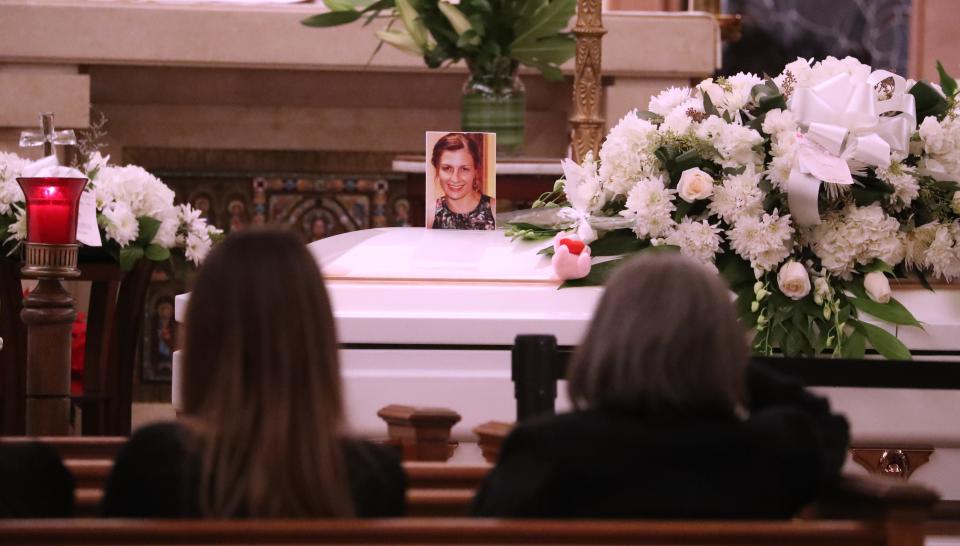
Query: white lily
{"x": 411, "y": 20}
{"x": 401, "y": 40}
{"x": 457, "y": 19}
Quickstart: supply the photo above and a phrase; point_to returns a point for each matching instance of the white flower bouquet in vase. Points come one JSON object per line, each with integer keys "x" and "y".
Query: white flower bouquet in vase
{"x": 806, "y": 191}
{"x": 135, "y": 212}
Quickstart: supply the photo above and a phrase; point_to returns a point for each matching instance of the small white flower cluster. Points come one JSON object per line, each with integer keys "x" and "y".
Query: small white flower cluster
{"x": 764, "y": 241}
{"x": 123, "y": 195}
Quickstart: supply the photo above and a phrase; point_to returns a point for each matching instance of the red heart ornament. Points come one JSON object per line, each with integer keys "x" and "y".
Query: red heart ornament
{"x": 575, "y": 246}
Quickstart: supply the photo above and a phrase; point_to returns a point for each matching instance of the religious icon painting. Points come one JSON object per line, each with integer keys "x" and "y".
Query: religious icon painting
{"x": 160, "y": 338}
{"x": 461, "y": 180}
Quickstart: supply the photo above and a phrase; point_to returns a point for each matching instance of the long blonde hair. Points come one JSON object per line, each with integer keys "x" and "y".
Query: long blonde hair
{"x": 262, "y": 382}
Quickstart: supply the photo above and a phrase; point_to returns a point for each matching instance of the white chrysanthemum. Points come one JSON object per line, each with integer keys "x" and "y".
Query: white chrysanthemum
{"x": 18, "y": 229}
{"x": 668, "y": 99}
{"x": 737, "y": 90}
{"x": 627, "y": 154}
{"x": 711, "y": 88}
{"x": 779, "y": 121}
{"x": 582, "y": 187}
{"x": 739, "y": 195}
{"x": 735, "y": 143}
{"x": 857, "y": 236}
{"x": 197, "y": 246}
{"x": 916, "y": 243}
{"x": 650, "y": 206}
{"x": 678, "y": 121}
{"x": 831, "y": 66}
{"x": 943, "y": 255}
{"x": 95, "y": 163}
{"x": 142, "y": 192}
{"x": 122, "y": 225}
{"x": 763, "y": 241}
{"x": 698, "y": 240}
{"x": 905, "y": 186}
{"x": 783, "y": 150}
{"x": 10, "y": 167}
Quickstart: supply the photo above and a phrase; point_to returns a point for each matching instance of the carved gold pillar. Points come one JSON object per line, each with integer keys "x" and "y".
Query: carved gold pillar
{"x": 586, "y": 120}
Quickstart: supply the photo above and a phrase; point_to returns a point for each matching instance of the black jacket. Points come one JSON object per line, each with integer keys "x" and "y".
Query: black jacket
{"x": 617, "y": 464}
{"x": 155, "y": 476}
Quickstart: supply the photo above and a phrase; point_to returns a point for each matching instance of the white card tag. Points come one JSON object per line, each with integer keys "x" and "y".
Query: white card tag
{"x": 824, "y": 166}
{"x": 88, "y": 232}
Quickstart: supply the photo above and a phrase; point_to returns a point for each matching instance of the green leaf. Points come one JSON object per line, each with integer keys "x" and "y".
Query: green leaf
{"x": 552, "y": 50}
{"x": 708, "y": 106}
{"x": 948, "y": 84}
{"x": 854, "y": 346}
{"x": 893, "y": 311}
{"x": 340, "y": 5}
{"x": 129, "y": 256}
{"x": 148, "y": 230}
{"x": 331, "y": 19}
{"x": 883, "y": 341}
{"x": 615, "y": 243}
{"x": 929, "y": 101}
{"x": 736, "y": 271}
{"x": 550, "y": 19}
{"x": 157, "y": 253}
{"x": 598, "y": 275}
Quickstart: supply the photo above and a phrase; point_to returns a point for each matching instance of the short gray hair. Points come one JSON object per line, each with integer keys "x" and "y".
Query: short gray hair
{"x": 664, "y": 340}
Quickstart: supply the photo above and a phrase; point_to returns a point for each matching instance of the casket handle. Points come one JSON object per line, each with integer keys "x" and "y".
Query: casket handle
{"x": 894, "y": 462}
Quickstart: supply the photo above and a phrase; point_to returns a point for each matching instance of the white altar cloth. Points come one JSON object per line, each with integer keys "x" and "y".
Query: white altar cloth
{"x": 427, "y": 318}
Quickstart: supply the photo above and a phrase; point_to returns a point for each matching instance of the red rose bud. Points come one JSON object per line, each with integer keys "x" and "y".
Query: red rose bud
{"x": 575, "y": 246}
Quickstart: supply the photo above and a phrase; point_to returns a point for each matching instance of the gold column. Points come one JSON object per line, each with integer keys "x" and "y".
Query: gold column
{"x": 586, "y": 120}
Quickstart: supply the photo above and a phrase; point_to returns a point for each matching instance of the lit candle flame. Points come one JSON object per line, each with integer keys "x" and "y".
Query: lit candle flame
{"x": 50, "y": 191}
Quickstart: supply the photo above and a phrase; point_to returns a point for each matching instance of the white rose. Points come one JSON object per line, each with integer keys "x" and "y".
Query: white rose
{"x": 793, "y": 280}
{"x": 877, "y": 287}
{"x": 694, "y": 184}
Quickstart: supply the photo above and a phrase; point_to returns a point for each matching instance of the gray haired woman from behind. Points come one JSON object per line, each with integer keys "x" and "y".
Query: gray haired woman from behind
{"x": 670, "y": 420}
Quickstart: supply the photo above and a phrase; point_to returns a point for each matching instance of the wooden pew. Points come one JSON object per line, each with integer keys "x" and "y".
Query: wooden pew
{"x": 433, "y": 488}
{"x": 461, "y": 531}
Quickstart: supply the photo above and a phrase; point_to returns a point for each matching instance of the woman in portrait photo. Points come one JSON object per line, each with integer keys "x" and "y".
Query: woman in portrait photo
{"x": 457, "y": 161}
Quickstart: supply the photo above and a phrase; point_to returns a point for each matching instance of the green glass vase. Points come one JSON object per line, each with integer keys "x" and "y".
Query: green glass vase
{"x": 496, "y": 103}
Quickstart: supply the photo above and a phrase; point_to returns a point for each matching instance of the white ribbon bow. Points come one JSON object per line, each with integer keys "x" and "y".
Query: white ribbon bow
{"x": 844, "y": 121}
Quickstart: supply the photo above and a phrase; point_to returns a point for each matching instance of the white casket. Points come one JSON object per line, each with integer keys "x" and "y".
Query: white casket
{"x": 428, "y": 318}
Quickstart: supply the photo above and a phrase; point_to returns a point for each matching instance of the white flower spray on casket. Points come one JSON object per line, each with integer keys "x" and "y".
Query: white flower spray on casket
{"x": 806, "y": 191}
{"x": 135, "y": 210}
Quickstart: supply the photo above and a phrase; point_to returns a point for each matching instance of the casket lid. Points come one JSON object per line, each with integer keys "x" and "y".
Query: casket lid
{"x": 421, "y": 254}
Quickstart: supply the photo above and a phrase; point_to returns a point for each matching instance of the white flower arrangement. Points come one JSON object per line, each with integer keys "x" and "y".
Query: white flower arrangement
{"x": 135, "y": 211}
{"x": 797, "y": 188}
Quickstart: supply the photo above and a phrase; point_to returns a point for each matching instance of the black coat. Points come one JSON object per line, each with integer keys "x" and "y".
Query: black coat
{"x": 156, "y": 476}
{"x": 618, "y": 464}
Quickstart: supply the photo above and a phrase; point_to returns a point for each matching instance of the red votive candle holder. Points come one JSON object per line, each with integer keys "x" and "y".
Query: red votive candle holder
{"x": 52, "y": 209}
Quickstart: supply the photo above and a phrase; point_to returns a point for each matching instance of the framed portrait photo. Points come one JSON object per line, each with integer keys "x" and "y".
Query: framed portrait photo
{"x": 461, "y": 180}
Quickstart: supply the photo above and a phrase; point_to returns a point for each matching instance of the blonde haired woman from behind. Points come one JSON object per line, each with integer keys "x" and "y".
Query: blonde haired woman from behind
{"x": 263, "y": 434}
{"x": 670, "y": 420}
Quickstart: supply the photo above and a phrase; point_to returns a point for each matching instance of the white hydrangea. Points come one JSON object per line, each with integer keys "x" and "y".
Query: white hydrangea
{"x": 905, "y": 185}
{"x": 122, "y": 225}
{"x": 668, "y": 99}
{"x": 764, "y": 241}
{"x": 739, "y": 195}
{"x": 10, "y": 167}
{"x": 735, "y": 143}
{"x": 627, "y": 154}
{"x": 650, "y": 206}
{"x": 857, "y": 235}
{"x": 698, "y": 240}
{"x": 678, "y": 121}
{"x": 142, "y": 192}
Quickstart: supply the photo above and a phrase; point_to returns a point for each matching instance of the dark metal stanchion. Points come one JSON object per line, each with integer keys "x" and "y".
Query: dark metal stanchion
{"x": 534, "y": 375}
